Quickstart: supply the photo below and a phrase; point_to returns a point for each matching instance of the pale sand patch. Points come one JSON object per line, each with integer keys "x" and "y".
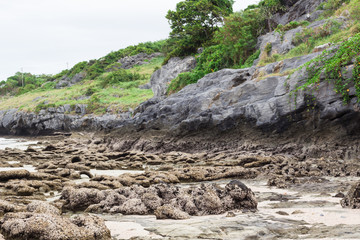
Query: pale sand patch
{"x": 127, "y": 230}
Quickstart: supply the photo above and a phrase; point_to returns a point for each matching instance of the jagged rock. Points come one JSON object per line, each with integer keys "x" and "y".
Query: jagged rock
{"x": 298, "y": 10}
{"x": 65, "y": 81}
{"x": 352, "y": 198}
{"x": 22, "y": 123}
{"x": 161, "y": 78}
{"x": 6, "y": 207}
{"x": 80, "y": 199}
{"x": 13, "y": 174}
{"x": 166, "y": 201}
{"x": 170, "y": 212}
{"x": 27, "y": 225}
{"x": 42, "y": 207}
{"x": 131, "y": 61}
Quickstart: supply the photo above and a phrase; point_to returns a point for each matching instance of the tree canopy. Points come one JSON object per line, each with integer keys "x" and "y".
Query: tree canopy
{"x": 194, "y": 22}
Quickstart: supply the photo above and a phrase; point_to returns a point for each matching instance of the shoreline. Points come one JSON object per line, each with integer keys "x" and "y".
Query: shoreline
{"x": 314, "y": 189}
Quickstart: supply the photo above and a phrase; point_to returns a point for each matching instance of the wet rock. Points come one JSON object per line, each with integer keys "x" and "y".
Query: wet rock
{"x": 204, "y": 200}
{"x": 6, "y": 207}
{"x": 133, "y": 206}
{"x": 230, "y": 214}
{"x": 26, "y": 225}
{"x": 282, "y": 213}
{"x": 30, "y": 149}
{"x": 80, "y": 199}
{"x": 25, "y": 191}
{"x": 282, "y": 181}
{"x": 42, "y": 207}
{"x": 170, "y": 212}
{"x": 75, "y": 159}
{"x": 352, "y": 198}
{"x": 297, "y": 212}
{"x": 151, "y": 201}
{"x": 13, "y": 174}
{"x": 49, "y": 148}
{"x": 339, "y": 195}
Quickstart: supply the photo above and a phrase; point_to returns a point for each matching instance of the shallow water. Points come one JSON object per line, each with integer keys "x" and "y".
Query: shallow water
{"x": 30, "y": 168}
{"x": 15, "y": 143}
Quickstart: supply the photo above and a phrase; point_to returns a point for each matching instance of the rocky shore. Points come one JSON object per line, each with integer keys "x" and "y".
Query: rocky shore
{"x": 59, "y": 184}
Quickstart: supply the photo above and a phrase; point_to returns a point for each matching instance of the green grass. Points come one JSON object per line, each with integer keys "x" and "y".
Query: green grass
{"x": 117, "y": 97}
{"x": 308, "y": 47}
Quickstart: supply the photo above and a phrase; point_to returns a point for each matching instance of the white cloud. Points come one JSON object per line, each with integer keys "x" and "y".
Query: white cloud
{"x": 42, "y": 36}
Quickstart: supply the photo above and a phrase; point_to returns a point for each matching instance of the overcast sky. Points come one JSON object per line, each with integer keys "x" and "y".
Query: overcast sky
{"x": 44, "y": 36}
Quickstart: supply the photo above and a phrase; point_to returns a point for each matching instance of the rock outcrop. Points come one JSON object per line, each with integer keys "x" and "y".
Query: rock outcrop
{"x": 223, "y": 98}
{"x": 352, "y": 198}
{"x": 161, "y": 78}
{"x": 138, "y": 59}
{"x": 66, "y": 81}
{"x": 44, "y": 222}
{"x": 299, "y": 10}
{"x": 163, "y": 200}
{"x": 54, "y": 120}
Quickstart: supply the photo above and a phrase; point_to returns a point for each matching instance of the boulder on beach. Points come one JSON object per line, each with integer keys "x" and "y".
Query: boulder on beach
{"x": 44, "y": 222}
{"x": 352, "y": 198}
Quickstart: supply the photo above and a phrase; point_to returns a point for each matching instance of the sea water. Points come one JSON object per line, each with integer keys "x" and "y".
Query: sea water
{"x": 15, "y": 143}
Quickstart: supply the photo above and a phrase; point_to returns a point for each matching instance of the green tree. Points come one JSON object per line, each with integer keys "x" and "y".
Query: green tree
{"x": 194, "y": 22}
{"x": 239, "y": 34}
{"x": 268, "y": 8}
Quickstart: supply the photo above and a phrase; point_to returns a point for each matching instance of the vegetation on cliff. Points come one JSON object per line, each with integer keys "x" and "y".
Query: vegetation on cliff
{"x": 234, "y": 45}
{"x": 225, "y": 40}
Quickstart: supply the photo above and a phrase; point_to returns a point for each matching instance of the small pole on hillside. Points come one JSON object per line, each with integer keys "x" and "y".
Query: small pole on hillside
{"x": 22, "y": 76}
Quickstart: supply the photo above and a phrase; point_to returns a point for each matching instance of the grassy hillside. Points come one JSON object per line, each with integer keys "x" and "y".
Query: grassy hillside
{"x": 114, "y": 96}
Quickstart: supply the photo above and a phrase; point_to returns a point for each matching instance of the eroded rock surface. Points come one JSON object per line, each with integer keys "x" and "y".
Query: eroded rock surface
{"x": 166, "y": 201}
{"x": 44, "y": 222}
{"x": 161, "y": 78}
{"x": 352, "y": 198}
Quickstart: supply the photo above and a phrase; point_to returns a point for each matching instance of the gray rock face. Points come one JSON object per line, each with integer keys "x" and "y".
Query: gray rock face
{"x": 65, "y": 81}
{"x": 223, "y": 98}
{"x": 46, "y": 122}
{"x": 161, "y": 78}
{"x": 280, "y": 45}
{"x": 299, "y": 10}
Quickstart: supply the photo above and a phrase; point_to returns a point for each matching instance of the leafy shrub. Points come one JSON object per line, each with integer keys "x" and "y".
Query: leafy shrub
{"x": 41, "y": 106}
{"x": 90, "y": 91}
{"x": 48, "y": 86}
{"x": 331, "y": 64}
{"x": 184, "y": 79}
{"x": 77, "y": 69}
{"x": 119, "y": 76}
{"x": 94, "y": 105}
{"x": 250, "y": 61}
